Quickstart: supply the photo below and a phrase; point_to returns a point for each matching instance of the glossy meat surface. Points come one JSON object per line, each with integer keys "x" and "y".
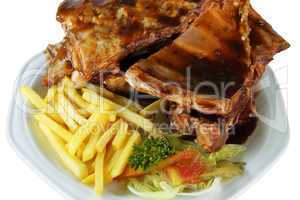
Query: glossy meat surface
{"x": 217, "y": 56}
{"x": 102, "y": 33}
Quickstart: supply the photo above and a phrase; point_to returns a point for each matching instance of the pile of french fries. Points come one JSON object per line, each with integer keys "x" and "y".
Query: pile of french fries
{"x": 92, "y": 130}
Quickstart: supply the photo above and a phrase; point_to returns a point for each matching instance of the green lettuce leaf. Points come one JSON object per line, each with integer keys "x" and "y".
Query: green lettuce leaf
{"x": 226, "y": 170}
{"x": 228, "y": 152}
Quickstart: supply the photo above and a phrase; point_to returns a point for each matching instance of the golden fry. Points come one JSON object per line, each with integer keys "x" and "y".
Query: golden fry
{"x": 40, "y": 104}
{"x": 51, "y": 94}
{"x": 83, "y": 132}
{"x": 107, "y": 136}
{"x": 80, "y": 151}
{"x": 74, "y": 164}
{"x": 121, "y": 136}
{"x": 75, "y": 97}
{"x": 122, "y": 112}
{"x": 90, "y": 180}
{"x": 114, "y": 159}
{"x": 152, "y": 108}
{"x": 71, "y": 110}
{"x": 90, "y": 149}
{"x": 123, "y": 101}
{"x": 55, "y": 127}
{"x": 120, "y": 166}
{"x": 72, "y": 125}
{"x": 99, "y": 173}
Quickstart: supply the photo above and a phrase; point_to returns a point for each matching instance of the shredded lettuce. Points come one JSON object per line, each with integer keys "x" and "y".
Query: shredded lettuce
{"x": 157, "y": 186}
{"x": 153, "y": 186}
{"x": 199, "y": 187}
{"x": 221, "y": 165}
{"x": 226, "y": 170}
{"x": 228, "y": 152}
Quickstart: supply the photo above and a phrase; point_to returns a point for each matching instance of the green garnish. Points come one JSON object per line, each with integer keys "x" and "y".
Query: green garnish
{"x": 150, "y": 153}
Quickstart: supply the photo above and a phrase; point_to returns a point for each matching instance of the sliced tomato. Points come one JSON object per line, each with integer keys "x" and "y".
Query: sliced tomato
{"x": 189, "y": 166}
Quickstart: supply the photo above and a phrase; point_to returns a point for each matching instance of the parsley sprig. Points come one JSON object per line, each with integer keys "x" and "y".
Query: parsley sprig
{"x": 150, "y": 153}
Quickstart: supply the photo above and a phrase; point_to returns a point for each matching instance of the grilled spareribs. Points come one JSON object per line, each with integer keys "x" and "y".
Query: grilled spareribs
{"x": 202, "y": 56}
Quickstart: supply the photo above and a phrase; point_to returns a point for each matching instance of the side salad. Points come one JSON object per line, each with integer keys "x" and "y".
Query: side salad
{"x": 163, "y": 168}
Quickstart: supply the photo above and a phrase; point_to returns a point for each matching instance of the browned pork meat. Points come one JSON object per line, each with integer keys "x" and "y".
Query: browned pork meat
{"x": 104, "y": 32}
{"x": 211, "y": 68}
{"x": 202, "y": 56}
{"x": 217, "y": 55}
{"x": 59, "y": 63}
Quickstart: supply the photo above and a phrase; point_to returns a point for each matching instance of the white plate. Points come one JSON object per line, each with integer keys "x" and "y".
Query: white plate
{"x": 264, "y": 147}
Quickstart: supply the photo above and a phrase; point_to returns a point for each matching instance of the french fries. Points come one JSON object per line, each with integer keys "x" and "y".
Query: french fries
{"x": 123, "y": 101}
{"x": 121, "y": 136}
{"x": 107, "y": 136}
{"x": 55, "y": 127}
{"x": 79, "y": 169}
{"x": 51, "y": 94}
{"x": 83, "y": 132}
{"x": 89, "y": 180}
{"x": 91, "y": 133}
{"x": 79, "y": 153}
{"x": 99, "y": 173}
{"x": 70, "y": 109}
{"x": 74, "y": 96}
{"x": 90, "y": 149}
{"x": 114, "y": 159}
{"x": 40, "y": 104}
{"x": 73, "y": 126}
{"x": 122, "y": 112}
{"x": 120, "y": 166}
{"x": 152, "y": 108}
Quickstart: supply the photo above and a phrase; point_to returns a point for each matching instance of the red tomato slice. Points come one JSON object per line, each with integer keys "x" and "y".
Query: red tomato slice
{"x": 189, "y": 166}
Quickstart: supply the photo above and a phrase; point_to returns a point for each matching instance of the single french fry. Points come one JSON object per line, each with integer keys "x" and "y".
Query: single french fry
{"x": 99, "y": 173}
{"x": 122, "y": 112}
{"x": 114, "y": 159}
{"x": 107, "y": 177}
{"x": 107, "y": 136}
{"x": 75, "y": 97}
{"x": 51, "y": 94}
{"x": 72, "y": 125}
{"x": 90, "y": 180}
{"x": 91, "y": 165}
{"x": 40, "y": 104}
{"x": 92, "y": 87}
{"x": 58, "y": 129}
{"x": 121, "y": 136}
{"x": 100, "y": 90}
{"x": 113, "y": 116}
{"x": 84, "y": 112}
{"x": 90, "y": 149}
{"x": 152, "y": 108}
{"x": 79, "y": 153}
{"x": 109, "y": 154}
{"x": 74, "y": 164}
{"x": 123, "y": 101}
{"x": 71, "y": 110}
{"x": 120, "y": 166}
{"x": 83, "y": 132}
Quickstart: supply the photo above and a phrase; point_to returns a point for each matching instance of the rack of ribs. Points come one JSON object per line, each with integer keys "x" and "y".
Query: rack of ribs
{"x": 202, "y": 56}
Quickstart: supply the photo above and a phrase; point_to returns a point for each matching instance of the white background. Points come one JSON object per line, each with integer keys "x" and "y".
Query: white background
{"x": 26, "y": 27}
